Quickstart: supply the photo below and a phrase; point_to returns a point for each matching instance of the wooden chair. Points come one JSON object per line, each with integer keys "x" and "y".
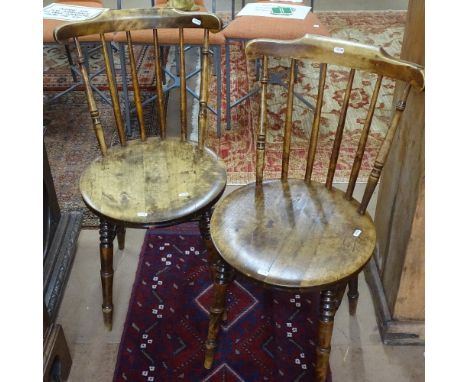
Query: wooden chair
{"x": 295, "y": 233}
{"x": 154, "y": 181}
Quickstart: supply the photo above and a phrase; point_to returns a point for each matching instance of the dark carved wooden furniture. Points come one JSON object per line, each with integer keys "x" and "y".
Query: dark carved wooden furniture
{"x": 60, "y": 235}
{"x": 295, "y": 233}
{"x": 56, "y": 356}
{"x": 153, "y": 181}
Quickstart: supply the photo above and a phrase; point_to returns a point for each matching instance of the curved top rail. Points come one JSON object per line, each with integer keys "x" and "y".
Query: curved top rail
{"x": 120, "y": 20}
{"x": 335, "y": 51}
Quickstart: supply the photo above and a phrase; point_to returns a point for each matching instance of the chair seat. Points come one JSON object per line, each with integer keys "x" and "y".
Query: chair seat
{"x": 293, "y": 234}
{"x": 250, "y": 27}
{"x": 153, "y": 182}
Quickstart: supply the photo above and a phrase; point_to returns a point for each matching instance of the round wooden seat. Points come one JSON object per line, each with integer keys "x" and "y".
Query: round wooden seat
{"x": 153, "y": 182}
{"x": 292, "y": 234}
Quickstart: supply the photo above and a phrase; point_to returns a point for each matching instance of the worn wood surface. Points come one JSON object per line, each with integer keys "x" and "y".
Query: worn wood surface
{"x": 292, "y": 234}
{"x": 153, "y": 182}
{"x": 335, "y": 51}
{"x": 402, "y": 191}
{"x": 122, "y": 20}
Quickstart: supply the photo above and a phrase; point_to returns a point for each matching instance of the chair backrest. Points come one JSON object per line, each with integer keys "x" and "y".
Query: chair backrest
{"x": 128, "y": 20}
{"x": 330, "y": 51}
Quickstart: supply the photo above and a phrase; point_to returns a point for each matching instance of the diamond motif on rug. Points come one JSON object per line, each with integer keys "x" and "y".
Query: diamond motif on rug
{"x": 239, "y": 302}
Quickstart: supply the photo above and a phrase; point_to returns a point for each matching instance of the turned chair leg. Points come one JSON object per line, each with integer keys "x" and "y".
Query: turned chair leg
{"x": 353, "y": 295}
{"x": 330, "y": 299}
{"x": 106, "y": 236}
{"x": 204, "y": 224}
{"x": 223, "y": 276}
{"x": 121, "y": 236}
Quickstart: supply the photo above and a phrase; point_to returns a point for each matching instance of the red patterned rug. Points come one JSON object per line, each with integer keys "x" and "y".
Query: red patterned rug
{"x": 268, "y": 335}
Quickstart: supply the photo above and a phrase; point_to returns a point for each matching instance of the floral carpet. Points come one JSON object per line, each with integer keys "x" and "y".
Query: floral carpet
{"x": 71, "y": 144}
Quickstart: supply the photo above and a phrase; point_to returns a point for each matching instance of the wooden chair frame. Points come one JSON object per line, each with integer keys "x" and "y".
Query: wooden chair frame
{"x": 233, "y": 229}
{"x": 209, "y": 179}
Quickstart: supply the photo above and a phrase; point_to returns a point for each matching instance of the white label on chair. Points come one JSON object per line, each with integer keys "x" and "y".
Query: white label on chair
{"x": 184, "y": 194}
{"x": 196, "y": 21}
{"x": 338, "y": 49}
{"x": 316, "y": 25}
{"x": 142, "y": 213}
{"x": 357, "y": 232}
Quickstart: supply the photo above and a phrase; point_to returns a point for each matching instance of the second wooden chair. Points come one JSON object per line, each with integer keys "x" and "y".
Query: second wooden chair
{"x": 298, "y": 234}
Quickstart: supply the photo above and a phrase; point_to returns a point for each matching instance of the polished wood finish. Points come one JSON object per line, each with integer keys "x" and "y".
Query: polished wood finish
{"x": 292, "y": 233}
{"x": 159, "y": 85}
{"x": 330, "y": 299}
{"x": 288, "y": 122}
{"x": 261, "y": 130}
{"x": 93, "y": 111}
{"x": 121, "y": 236}
{"x": 123, "y": 20}
{"x": 136, "y": 87}
{"x": 223, "y": 275}
{"x": 151, "y": 181}
{"x": 345, "y": 53}
{"x": 106, "y": 237}
{"x": 363, "y": 140}
{"x": 316, "y": 123}
{"x": 114, "y": 94}
{"x": 339, "y": 131}
{"x": 203, "y": 112}
{"x": 298, "y": 234}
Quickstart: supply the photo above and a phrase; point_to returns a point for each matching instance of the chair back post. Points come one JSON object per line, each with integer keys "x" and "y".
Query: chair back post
{"x": 126, "y": 21}
{"x": 262, "y": 124}
{"x": 203, "y": 111}
{"x": 383, "y": 152}
{"x": 330, "y": 51}
{"x": 93, "y": 110}
{"x": 288, "y": 121}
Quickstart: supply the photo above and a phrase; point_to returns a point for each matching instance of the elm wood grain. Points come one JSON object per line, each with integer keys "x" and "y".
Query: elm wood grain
{"x": 293, "y": 234}
{"x": 151, "y": 181}
{"x": 123, "y": 20}
{"x": 339, "y": 52}
{"x": 298, "y": 234}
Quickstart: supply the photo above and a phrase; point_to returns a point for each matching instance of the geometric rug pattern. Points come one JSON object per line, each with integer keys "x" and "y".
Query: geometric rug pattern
{"x": 268, "y": 335}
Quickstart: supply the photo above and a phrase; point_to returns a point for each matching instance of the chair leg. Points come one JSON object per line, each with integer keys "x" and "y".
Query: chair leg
{"x": 223, "y": 276}
{"x": 106, "y": 236}
{"x": 211, "y": 250}
{"x": 353, "y": 295}
{"x": 121, "y": 236}
{"x": 328, "y": 306}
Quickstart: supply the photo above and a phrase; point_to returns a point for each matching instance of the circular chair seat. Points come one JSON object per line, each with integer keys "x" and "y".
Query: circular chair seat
{"x": 153, "y": 182}
{"x": 293, "y": 234}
